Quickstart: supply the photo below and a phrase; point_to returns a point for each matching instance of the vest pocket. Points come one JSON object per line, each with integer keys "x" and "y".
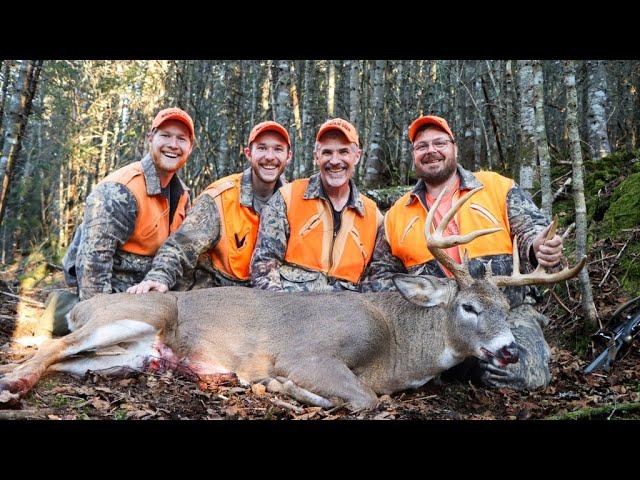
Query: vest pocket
{"x": 358, "y": 242}
{"x": 153, "y": 226}
{"x": 150, "y": 230}
{"x": 484, "y": 212}
{"x": 310, "y": 225}
{"x": 296, "y": 278}
{"x": 412, "y": 222}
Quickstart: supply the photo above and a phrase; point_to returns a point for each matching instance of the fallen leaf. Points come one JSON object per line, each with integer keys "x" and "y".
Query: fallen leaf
{"x": 99, "y": 404}
{"x": 258, "y": 389}
{"x": 53, "y": 417}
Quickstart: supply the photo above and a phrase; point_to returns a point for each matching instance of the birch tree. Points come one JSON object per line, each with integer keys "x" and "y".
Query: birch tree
{"x": 527, "y": 155}
{"x": 374, "y": 166}
{"x": 578, "y": 192}
{"x": 596, "y": 118}
{"x": 542, "y": 146}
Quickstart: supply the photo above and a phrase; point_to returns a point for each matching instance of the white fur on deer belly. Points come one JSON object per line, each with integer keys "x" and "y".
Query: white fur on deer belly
{"x": 113, "y": 333}
{"x": 131, "y": 358}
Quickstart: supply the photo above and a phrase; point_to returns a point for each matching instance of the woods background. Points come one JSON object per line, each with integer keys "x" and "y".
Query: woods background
{"x": 66, "y": 124}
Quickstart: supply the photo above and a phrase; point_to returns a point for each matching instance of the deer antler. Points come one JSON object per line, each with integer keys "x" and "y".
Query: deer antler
{"x": 539, "y": 276}
{"x": 436, "y": 242}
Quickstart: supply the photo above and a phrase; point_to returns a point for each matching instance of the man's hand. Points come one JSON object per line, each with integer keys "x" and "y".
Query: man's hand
{"x": 548, "y": 252}
{"x": 147, "y": 286}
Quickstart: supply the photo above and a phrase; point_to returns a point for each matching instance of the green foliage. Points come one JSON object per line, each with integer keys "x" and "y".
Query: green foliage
{"x": 34, "y": 270}
{"x": 624, "y": 206}
{"x": 630, "y": 268}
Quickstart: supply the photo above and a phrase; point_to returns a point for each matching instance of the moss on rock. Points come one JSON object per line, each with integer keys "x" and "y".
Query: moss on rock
{"x": 624, "y": 206}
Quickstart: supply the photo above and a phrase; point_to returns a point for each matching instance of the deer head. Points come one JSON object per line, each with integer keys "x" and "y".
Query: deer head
{"x": 476, "y": 309}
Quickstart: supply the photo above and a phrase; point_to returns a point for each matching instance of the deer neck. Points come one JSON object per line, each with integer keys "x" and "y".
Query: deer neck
{"x": 422, "y": 349}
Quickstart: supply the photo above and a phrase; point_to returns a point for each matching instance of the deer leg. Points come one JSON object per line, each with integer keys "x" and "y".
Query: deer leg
{"x": 92, "y": 336}
{"x": 287, "y": 387}
{"x": 327, "y": 377}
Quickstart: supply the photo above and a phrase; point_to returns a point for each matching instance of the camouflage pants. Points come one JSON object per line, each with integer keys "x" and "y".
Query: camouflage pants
{"x": 532, "y": 369}
{"x": 53, "y": 320}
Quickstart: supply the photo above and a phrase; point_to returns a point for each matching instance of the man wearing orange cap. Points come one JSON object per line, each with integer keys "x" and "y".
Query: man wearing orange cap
{"x": 318, "y": 233}
{"x": 213, "y": 247}
{"x": 401, "y": 245}
{"x": 132, "y": 211}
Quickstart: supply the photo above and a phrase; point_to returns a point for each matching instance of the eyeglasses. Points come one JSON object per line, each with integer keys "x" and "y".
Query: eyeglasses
{"x": 438, "y": 144}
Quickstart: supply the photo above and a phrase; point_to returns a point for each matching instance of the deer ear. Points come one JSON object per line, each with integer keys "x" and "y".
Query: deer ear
{"x": 425, "y": 291}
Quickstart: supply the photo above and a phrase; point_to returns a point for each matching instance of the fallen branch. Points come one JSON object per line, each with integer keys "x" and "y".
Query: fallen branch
{"x": 596, "y": 412}
{"x": 283, "y": 404}
{"x": 24, "y": 414}
{"x": 612, "y": 264}
{"x": 555, "y": 295}
{"x": 23, "y": 299}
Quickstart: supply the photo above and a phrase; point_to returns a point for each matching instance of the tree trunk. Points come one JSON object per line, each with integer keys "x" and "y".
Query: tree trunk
{"x": 597, "y": 118}
{"x": 541, "y": 139}
{"x": 578, "y": 193}
{"x": 19, "y": 109}
{"x": 331, "y": 88}
{"x": 6, "y": 80}
{"x": 223, "y": 139}
{"x": 510, "y": 117}
{"x": 305, "y": 154}
{"x": 374, "y": 166}
{"x": 527, "y": 156}
{"x": 354, "y": 92}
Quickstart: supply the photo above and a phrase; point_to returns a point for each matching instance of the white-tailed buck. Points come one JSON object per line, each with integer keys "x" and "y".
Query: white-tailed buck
{"x": 320, "y": 348}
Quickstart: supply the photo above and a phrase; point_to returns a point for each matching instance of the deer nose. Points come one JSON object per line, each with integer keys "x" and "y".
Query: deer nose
{"x": 509, "y": 353}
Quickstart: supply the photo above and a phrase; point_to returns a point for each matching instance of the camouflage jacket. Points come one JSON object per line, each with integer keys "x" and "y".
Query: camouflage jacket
{"x": 181, "y": 262}
{"x": 269, "y": 271}
{"x": 94, "y": 261}
{"x": 526, "y": 220}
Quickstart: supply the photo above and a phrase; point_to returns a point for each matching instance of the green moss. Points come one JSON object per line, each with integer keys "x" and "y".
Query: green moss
{"x": 624, "y": 206}
{"x": 630, "y": 268}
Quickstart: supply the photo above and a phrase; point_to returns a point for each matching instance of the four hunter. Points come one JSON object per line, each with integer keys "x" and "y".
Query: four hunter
{"x": 254, "y": 229}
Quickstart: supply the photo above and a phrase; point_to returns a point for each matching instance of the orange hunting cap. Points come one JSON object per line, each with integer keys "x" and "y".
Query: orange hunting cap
{"x": 269, "y": 126}
{"x": 174, "y": 114}
{"x": 341, "y": 125}
{"x": 428, "y": 120}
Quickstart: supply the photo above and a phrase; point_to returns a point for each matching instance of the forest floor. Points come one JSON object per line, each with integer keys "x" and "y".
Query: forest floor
{"x": 571, "y": 395}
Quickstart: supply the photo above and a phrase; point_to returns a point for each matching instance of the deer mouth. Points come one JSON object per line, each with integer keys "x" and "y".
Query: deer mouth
{"x": 498, "y": 359}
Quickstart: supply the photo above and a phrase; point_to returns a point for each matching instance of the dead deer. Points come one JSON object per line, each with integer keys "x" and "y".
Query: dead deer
{"x": 320, "y": 348}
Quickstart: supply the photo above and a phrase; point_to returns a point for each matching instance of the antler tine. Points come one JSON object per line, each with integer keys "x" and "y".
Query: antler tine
{"x": 539, "y": 276}
{"x": 452, "y": 240}
{"x": 436, "y": 242}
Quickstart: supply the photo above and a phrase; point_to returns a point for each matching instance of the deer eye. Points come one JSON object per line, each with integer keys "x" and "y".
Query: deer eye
{"x": 469, "y": 309}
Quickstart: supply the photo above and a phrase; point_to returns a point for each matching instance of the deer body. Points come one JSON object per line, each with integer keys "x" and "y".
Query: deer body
{"x": 318, "y": 347}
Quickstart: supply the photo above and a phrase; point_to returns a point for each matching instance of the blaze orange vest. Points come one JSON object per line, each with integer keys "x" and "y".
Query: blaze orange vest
{"x": 311, "y": 243}
{"x": 238, "y": 228}
{"x": 404, "y": 225}
{"x": 152, "y": 221}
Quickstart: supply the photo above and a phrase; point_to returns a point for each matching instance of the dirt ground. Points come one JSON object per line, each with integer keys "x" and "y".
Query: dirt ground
{"x": 572, "y": 394}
